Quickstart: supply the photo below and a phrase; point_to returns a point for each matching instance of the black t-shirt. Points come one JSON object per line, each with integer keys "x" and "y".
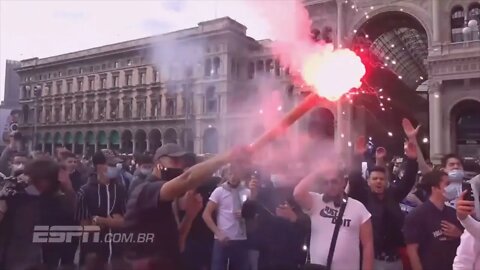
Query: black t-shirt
{"x": 423, "y": 227}
{"x": 147, "y": 214}
{"x": 199, "y": 230}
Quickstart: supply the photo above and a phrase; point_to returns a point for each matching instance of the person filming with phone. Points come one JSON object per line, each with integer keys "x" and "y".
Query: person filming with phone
{"x": 468, "y": 252}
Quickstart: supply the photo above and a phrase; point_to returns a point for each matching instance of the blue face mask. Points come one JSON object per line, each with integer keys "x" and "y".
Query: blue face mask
{"x": 456, "y": 175}
{"x": 450, "y": 192}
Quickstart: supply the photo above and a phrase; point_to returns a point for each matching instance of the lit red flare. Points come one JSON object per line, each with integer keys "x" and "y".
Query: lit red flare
{"x": 332, "y": 73}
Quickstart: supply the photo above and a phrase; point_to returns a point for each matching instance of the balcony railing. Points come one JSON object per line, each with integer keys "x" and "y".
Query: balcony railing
{"x": 456, "y": 48}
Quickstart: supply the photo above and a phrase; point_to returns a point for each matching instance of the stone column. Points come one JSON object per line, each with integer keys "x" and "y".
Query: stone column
{"x": 108, "y": 108}
{"x": 95, "y": 110}
{"x": 148, "y": 106}
{"x": 436, "y": 123}
{"x": 134, "y": 144}
{"x": 97, "y": 83}
{"x": 179, "y": 104}
{"x": 340, "y": 23}
{"x": 134, "y": 107}
{"x": 135, "y": 78}
{"x": 73, "y": 116}
{"x": 149, "y": 75}
{"x": 436, "y": 21}
{"x": 163, "y": 105}
{"x": 109, "y": 80}
{"x": 121, "y": 79}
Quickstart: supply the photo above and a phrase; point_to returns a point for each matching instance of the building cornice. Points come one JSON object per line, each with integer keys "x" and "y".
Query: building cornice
{"x": 206, "y": 29}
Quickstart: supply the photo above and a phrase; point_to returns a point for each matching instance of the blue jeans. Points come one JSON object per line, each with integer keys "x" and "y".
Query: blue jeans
{"x": 234, "y": 254}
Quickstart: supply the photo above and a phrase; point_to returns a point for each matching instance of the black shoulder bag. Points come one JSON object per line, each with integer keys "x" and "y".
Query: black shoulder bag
{"x": 333, "y": 243}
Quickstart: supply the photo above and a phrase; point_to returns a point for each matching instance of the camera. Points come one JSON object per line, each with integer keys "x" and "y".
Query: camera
{"x": 11, "y": 186}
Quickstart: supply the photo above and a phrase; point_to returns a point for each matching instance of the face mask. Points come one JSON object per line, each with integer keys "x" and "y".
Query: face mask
{"x": 112, "y": 172}
{"x": 456, "y": 175}
{"x": 145, "y": 171}
{"x": 450, "y": 192}
{"x": 170, "y": 173}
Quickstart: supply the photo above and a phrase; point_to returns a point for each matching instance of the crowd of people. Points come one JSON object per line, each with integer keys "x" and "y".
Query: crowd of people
{"x": 236, "y": 211}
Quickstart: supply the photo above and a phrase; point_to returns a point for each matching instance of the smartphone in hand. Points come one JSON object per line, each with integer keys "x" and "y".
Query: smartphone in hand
{"x": 466, "y": 186}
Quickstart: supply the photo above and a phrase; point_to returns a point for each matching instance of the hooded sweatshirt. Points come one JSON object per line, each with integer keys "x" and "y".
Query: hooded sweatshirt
{"x": 96, "y": 199}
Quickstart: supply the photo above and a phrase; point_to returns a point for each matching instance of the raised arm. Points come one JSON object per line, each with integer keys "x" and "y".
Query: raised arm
{"x": 405, "y": 185}
{"x": 198, "y": 174}
{"x": 357, "y": 186}
{"x": 301, "y": 193}
{"x": 411, "y": 133}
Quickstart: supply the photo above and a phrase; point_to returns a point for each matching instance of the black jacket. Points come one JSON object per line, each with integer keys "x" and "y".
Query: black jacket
{"x": 387, "y": 216}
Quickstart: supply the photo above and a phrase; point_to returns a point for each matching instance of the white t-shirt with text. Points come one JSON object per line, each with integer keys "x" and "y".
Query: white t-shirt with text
{"x": 347, "y": 249}
{"x": 227, "y": 221}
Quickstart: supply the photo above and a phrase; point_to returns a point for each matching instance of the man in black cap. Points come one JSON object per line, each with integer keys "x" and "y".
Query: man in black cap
{"x": 149, "y": 209}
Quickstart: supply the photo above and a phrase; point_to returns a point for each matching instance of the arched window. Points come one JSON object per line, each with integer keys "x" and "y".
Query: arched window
{"x": 457, "y": 22}
{"x": 211, "y": 100}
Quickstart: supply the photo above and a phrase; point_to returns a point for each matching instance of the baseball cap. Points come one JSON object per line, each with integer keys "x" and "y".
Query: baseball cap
{"x": 169, "y": 150}
{"x": 111, "y": 157}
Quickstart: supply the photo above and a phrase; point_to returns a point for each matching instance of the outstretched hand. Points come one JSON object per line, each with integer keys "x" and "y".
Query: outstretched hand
{"x": 409, "y": 130}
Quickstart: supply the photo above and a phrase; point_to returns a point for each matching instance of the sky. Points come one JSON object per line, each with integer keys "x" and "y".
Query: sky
{"x": 46, "y": 28}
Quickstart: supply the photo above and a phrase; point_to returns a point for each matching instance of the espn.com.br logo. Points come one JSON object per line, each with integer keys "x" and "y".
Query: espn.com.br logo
{"x": 87, "y": 234}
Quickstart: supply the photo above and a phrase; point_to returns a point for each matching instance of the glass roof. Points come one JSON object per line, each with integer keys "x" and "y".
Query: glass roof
{"x": 403, "y": 50}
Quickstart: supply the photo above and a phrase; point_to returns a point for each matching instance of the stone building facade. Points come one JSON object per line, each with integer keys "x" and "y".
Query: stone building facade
{"x": 186, "y": 86}
{"x": 133, "y": 96}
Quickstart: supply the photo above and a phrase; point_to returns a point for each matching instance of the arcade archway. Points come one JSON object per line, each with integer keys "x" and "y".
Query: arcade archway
{"x": 140, "y": 141}
{"x": 154, "y": 139}
{"x": 127, "y": 142}
{"x": 465, "y": 128}
{"x": 170, "y": 136}
{"x": 393, "y": 45}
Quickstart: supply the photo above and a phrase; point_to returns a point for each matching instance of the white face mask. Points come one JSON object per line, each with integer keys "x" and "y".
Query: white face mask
{"x": 112, "y": 172}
